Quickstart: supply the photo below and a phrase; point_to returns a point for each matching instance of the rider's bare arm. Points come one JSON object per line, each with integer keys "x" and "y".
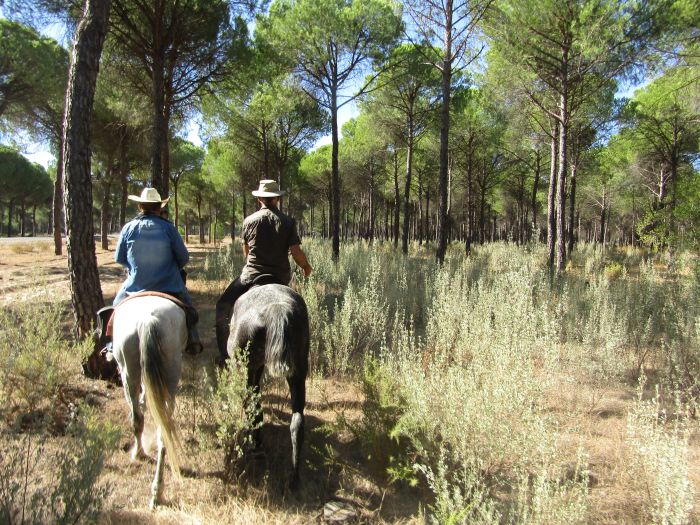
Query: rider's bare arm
{"x": 300, "y": 258}
{"x": 246, "y": 250}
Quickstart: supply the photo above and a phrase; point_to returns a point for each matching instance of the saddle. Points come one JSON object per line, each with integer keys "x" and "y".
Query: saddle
{"x": 110, "y": 322}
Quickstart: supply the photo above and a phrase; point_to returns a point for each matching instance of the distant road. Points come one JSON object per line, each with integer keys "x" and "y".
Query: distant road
{"x": 43, "y": 238}
{"x": 20, "y": 240}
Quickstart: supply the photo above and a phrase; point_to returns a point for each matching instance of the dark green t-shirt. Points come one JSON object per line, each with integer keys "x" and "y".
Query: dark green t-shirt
{"x": 268, "y": 233}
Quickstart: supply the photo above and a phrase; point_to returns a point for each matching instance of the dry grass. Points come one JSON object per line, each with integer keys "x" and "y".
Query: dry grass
{"x": 591, "y": 415}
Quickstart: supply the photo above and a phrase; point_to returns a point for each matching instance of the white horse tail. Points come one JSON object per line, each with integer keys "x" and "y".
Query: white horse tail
{"x": 158, "y": 397}
{"x": 277, "y": 354}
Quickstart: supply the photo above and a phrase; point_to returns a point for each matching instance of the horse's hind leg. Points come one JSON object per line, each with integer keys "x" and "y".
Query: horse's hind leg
{"x": 254, "y": 377}
{"x": 157, "y": 485}
{"x": 132, "y": 390}
{"x": 297, "y": 390}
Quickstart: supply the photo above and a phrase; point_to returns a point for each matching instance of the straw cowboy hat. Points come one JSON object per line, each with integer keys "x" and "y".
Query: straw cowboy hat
{"x": 149, "y": 195}
{"x": 268, "y": 188}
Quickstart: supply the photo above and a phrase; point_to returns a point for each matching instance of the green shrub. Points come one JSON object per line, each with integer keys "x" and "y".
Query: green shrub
{"x": 461, "y": 495}
{"x": 37, "y": 363}
{"x": 659, "y": 446}
{"x": 388, "y": 454}
{"x": 61, "y": 487}
{"x": 234, "y": 407}
{"x": 613, "y": 271}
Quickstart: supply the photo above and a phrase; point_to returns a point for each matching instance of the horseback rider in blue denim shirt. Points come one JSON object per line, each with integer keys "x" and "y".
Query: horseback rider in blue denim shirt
{"x": 153, "y": 252}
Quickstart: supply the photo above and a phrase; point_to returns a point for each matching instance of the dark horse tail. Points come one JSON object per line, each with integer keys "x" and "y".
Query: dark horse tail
{"x": 274, "y": 321}
{"x": 278, "y": 354}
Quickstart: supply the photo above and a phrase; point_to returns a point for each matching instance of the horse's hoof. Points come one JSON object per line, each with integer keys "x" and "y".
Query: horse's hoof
{"x": 194, "y": 348}
{"x": 138, "y": 455}
{"x": 153, "y": 504}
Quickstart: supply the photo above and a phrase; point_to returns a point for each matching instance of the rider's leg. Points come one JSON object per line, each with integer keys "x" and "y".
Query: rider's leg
{"x": 194, "y": 345}
{"x": 224, "y": 309}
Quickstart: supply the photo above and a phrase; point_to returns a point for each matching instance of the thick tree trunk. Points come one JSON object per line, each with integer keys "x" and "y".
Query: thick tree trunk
{"x": 551, "y": 206}
{"x": 86, "y": 294}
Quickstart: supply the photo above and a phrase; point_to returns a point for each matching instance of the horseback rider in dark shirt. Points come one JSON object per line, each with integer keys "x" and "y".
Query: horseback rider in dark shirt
{"x": 268, "y": 236}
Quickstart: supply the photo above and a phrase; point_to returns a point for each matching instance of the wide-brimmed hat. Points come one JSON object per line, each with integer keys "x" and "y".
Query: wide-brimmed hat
{"x": 268, "y": 188}
{"x": 149, "y": 195}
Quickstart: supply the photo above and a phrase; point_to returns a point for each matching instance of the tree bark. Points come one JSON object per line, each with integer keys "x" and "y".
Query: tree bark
{"x": 535, "y": 187}
{"x": 397, "y": 200}
{"x": 561, "y": 179}
{"x": 442, "y": 215}
{"x": 572, "y": 207}
{"x": 86, "y": 294}
{"x": 160, "y": 131}
{"x": 551, "y": 212}
{"x": 105, "y": 215}
{"x": 407, "y": 189}
{"x": 335, "y": 176}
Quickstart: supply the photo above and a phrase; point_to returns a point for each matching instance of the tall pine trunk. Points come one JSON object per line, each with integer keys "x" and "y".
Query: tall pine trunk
{"x": 572, "y": 208}
{"x": 442, "y": 215}
{"x": 551, "y": 206}
{"x": 407, "y": 189}
{"x": 561, "y": 179}
{"x": 335, "y": 176}
{"x": 86, "y": 294}
{"x": 397, "y": 199}
{"x": 159, "y": 132}
{"x": 535, "y": 187}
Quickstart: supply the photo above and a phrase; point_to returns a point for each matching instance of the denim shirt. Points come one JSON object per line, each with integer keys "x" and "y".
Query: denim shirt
{"x": 152, "y": 250}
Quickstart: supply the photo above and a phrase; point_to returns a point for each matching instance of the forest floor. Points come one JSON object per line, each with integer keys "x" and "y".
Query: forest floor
{"x": 335, "y": 468}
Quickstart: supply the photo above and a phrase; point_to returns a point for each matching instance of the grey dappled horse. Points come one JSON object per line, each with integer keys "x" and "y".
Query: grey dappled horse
{"x": 150, "y": 334}
{"x": 273, "y": 323}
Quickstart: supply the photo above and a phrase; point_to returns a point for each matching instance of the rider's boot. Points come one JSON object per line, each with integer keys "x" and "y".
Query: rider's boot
{"x": 104, "y": 341}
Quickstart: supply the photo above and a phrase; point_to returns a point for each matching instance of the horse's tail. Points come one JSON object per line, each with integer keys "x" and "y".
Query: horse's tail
{"x": 277, "y": 351}
{"x": 158, "y": 398}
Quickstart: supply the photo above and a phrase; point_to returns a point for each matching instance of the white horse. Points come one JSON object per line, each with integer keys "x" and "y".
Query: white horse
{"x": 150, "y": 334}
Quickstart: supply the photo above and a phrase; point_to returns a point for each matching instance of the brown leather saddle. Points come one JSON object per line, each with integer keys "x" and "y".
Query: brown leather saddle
{"x": 175, "y": 300}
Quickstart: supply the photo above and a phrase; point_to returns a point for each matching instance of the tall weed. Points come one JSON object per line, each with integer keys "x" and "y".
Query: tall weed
{"x": 659, "y": 446}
